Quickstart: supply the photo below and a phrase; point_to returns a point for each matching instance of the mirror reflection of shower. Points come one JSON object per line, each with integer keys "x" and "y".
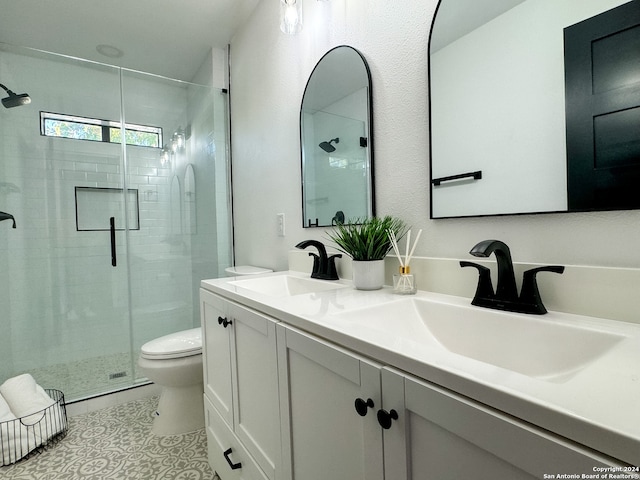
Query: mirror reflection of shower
{"x": 14, "y": 100}
{"x": 327, "y": 147}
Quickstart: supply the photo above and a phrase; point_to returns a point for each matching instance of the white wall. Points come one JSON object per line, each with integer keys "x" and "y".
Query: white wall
{"x": 268, "y": 74}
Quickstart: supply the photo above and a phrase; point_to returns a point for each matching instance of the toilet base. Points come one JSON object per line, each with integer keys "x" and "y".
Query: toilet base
{"x": 180, "y": 410}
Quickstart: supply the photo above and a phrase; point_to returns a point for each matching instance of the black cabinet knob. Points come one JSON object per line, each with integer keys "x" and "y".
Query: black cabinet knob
{"x": 224, "y": 322}
{"x": 386, "y": 418}
{"x": 362, "y": 406}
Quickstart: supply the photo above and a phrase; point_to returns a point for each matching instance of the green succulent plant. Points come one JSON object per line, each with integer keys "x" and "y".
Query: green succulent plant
{"x": 367, "y": 239}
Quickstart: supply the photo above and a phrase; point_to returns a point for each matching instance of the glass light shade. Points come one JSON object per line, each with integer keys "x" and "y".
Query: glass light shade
{"x": 178, "y": 139}
{"x": 291, "y": 16}
{"x": 165, "y": 156}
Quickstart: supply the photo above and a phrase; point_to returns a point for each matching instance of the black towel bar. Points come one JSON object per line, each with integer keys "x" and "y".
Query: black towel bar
{"x": 477, "y": 175}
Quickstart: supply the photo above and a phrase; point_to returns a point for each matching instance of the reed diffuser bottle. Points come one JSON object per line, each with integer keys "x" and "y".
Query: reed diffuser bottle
{"x": 404, "y": 282}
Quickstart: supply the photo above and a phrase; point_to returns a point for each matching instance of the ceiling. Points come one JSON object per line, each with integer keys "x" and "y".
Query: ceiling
{"x": 165, "y": 37}
{"x": 456, "y": 18}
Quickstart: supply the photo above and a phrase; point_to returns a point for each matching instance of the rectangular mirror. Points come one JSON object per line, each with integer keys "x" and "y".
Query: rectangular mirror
{"x": 498, "y": 103}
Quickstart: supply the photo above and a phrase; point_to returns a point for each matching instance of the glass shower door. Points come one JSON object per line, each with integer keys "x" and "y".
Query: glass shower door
{"x": 185, "y": 232}
{"x": 119, "y": 184}
{"x": 66, "y": 306}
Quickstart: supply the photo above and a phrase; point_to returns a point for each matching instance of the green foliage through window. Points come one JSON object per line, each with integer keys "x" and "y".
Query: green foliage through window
{"x": 82, "y": 128}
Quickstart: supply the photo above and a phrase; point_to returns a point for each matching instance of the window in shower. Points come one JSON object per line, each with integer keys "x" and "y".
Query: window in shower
{"x": 94, "y": 129}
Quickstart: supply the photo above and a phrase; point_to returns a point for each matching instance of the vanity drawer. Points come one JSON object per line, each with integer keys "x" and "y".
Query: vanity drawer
{"x": 224, "y": 450}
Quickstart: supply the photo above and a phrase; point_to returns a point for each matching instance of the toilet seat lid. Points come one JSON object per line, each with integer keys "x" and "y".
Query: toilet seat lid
{"x": 174, "y": 345}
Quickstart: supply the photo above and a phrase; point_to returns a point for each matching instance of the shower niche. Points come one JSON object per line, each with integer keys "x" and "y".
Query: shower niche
{"x": 95, "y": 206}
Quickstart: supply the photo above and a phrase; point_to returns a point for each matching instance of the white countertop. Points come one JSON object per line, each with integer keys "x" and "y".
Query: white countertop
{"x": 599, "y": 406}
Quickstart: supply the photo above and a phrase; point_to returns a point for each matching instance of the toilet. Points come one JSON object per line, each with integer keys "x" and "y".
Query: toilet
{"x": 174, "y": 362}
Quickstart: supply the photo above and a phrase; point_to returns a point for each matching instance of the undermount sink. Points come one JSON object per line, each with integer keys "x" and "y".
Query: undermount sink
{"x": 286, "y": 285}
{"x": 539, "y": 347}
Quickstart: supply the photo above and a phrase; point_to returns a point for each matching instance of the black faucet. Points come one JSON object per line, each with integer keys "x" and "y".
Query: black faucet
{"x": 506, "y": 289}
{"x": 506, "y": 296}
{"x": 324, "y": 267}
{"x": 7, "y": 216}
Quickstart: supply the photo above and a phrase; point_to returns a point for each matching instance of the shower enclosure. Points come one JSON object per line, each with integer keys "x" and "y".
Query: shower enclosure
{"x": 118, "y": 182}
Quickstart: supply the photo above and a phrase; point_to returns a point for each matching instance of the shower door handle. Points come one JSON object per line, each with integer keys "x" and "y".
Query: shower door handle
{"x": 112, "y": 222}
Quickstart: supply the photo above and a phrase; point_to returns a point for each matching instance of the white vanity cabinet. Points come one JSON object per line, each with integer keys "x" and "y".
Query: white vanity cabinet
{"x": 441, "y": 435}
{"x": 319, "y": 386}
{"x": 241, "y": 390}
{"x": 423, "y": 431}
{"x": 284, "y": 404}
{"x": 216, "y": 352}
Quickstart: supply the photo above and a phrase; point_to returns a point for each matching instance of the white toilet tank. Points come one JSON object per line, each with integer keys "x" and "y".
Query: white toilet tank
{"x": 241, "y": 270}
{"x": 175, "y": 345}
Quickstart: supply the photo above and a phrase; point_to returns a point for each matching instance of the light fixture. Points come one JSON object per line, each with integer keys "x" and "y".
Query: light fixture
{"x": 165, "y": 156}
{"x": 178, "y": 139}
{"x": 290, "y": 16}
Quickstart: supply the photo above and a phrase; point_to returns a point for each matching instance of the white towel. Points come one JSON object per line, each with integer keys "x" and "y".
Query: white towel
{"x": 16, "y": 440}
{"x": 25, "y": 397}
{"x": 5, "y": 411}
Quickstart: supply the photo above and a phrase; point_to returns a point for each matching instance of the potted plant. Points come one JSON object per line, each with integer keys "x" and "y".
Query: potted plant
{"x": 367, "y": 243}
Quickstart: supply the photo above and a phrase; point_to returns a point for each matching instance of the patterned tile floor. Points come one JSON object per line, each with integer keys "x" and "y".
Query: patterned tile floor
{"x": 116, "y": 443}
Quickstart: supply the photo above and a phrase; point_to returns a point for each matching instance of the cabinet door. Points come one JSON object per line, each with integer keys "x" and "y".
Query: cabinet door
{"x": 255, "y": 384}
{"x": 226, "y": 454}
{"x": 444, "y": 436}
{"x": 323, "y": 435}
{"x": 217, "y": 353}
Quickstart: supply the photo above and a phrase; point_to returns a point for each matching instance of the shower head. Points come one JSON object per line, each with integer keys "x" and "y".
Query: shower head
{"x": 14, "y": 100}
{"x": 327, "y": 147}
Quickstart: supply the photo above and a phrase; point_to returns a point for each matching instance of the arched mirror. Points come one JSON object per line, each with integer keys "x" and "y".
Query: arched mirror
{"x": 534, "y": 106}
{"x": 336, "y": 140}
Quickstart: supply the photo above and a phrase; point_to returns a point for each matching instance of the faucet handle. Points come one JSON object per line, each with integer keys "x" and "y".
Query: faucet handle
{"x": 529, "y": 294}
{"x": 324, "y": 270}
{"x": 316, "y": 264}
{"x": 485, "y": 287}
{"x": 332, "y": 272}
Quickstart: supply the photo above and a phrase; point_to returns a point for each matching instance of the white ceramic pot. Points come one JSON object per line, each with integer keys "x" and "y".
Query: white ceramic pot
{"x": 368, "y": 275}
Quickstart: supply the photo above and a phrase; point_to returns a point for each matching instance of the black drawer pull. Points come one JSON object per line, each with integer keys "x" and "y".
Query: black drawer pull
{"x": 363, "y": 406}
{"x": 224, "y": 322}
{"x": 385, "y": 418}
{"x": 234, "y": 466}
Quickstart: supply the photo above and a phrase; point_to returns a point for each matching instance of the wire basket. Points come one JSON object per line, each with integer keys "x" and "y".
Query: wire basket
{"x": 33, "y": 433}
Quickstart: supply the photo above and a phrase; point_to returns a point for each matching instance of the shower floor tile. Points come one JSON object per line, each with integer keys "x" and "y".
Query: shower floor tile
{"x": 85, "y": 378}
{"x": 116, "y": 443}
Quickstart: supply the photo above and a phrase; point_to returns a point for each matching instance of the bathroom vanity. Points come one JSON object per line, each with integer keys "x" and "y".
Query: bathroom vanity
{"x": 308, "y": 379}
